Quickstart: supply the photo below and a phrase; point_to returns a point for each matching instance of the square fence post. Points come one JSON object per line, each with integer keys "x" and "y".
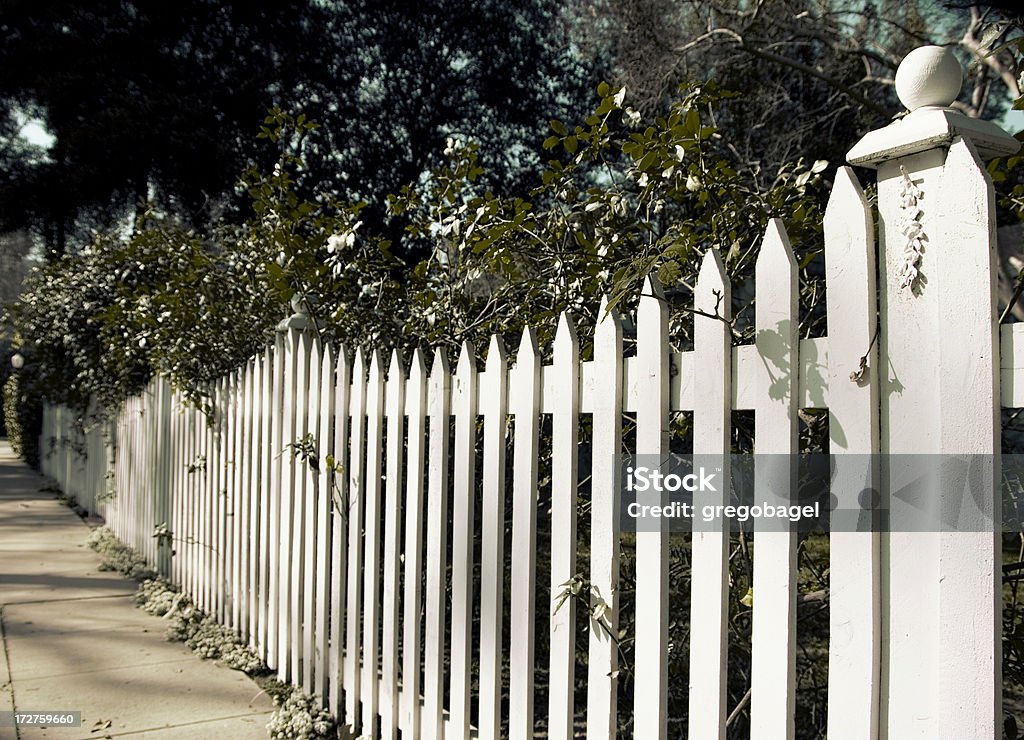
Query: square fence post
{"x": 941, "y": 563}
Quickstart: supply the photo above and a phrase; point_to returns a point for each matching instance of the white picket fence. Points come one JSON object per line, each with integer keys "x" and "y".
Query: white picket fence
{"x": 349, "y": 599}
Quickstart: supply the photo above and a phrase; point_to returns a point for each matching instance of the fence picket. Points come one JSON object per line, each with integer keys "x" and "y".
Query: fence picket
{"x": 415, "y": 409}
{"x": 249, "y": 483}
{"x": 603, "y": 663}
{"x": 322, "y": 558}
{"x": 218, "y": 510}
{"x": 268, "y": 392}
{"x": 177, "y": 484}
{"x": 439, "y": 398}
{"x": 524, "y": 403}
{"x": 277, "y": 463}
{"x": 208, "y": 478}
{"x": 340, "y": 507}
{"x": 371, "y": 544}
{"x": 773, "y": 674}
{"x": 494, "y": 409}
{"x": 395, "y": 413}
{"x": 709, "y": 584}
{"x": 854, "y": 565}
{"x": 357, "y": 492}
{"x": 564, "y": 482}
{"x": 286, "y": 604}
{"x": 652, "y": 380}
{"x": 464, "y": 407}
{"x": 306, "y": 524}
{"x": 229, "y": 521}
{"x": 192, "y": 476}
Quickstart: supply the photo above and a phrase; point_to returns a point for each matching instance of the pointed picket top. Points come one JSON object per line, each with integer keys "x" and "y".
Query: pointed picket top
{"x": 440, "y": 365}
{"x": 652, "y": 287}
{"x": 439, "y": 383}
{"x": 711, "y": 279}
{"x": 316, "y": 351}
{"x": 566, "y": 341}
{"x": 776, "y": 315}
{"x": 847, "y": 195}
{"x": 528, "y": 355}
{"x": 776, "y": 249}
{"x": 376, "y": 365}
{"x": 466, "y": 367}
{"x": 326, "y": 361}
{"x": 417, "y": 368}
{"x": 359, "y": 366}
{"x": 395, "y": 369}
{"x": 652, "y": 299}
{"x": 497, "y": 357}
{"x": 608, "y": 332}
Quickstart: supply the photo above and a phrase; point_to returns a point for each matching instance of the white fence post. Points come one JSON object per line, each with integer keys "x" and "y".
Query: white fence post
{"x": 940, "y": 590}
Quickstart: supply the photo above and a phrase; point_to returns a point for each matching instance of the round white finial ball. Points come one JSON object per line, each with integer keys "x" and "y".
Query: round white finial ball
{"x": 929, "y": 75}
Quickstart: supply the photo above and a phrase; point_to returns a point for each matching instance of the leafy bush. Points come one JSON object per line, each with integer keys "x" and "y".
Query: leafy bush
{"x": 119, "y": 557}
{"x": 300, "y": 717}
{"x": 23, "y": 418}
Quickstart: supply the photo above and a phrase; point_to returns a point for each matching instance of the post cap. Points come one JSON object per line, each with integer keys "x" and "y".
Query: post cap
{"x": 300, "y": 314}
{"x": 928, "y": 76}
{"x": 927, "y": 82}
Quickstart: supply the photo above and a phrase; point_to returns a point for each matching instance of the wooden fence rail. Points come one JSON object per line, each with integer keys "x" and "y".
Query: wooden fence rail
{"x": 339, "y": 576}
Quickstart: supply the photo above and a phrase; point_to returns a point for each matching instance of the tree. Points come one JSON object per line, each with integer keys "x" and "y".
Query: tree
{"x": 156, "y": 101}
{"x": 147, "y": 99}
{"x": 816, "y": 74}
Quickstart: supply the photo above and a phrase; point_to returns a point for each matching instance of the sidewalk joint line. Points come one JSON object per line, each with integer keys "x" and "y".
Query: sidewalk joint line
{"x": 10, "y": 676}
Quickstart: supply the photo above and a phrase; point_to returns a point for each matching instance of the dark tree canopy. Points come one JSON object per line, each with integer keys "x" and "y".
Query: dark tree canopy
{"x": 815, "y": 75}
{"x": 149, "y": 100}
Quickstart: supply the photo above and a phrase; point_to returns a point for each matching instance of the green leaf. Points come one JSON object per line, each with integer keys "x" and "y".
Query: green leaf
{"x": 692, "y": 125}
{"x": 668, "y": 273}
{"x": 558, "y": 127}
{"x": 571, "y": 144}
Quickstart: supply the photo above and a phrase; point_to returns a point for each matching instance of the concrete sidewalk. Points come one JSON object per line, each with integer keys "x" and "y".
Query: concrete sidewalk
{"x": 74, "y": 641}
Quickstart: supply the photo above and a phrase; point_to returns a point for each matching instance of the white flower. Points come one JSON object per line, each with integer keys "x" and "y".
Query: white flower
{"x": 642, "y": 180}
{"x": 693, "y": 183}
{"x": 335, "y": 242}
{"x": 631, "y": 116}
{"x": 620, "y": 95}
{"x": 680, "y": 153}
